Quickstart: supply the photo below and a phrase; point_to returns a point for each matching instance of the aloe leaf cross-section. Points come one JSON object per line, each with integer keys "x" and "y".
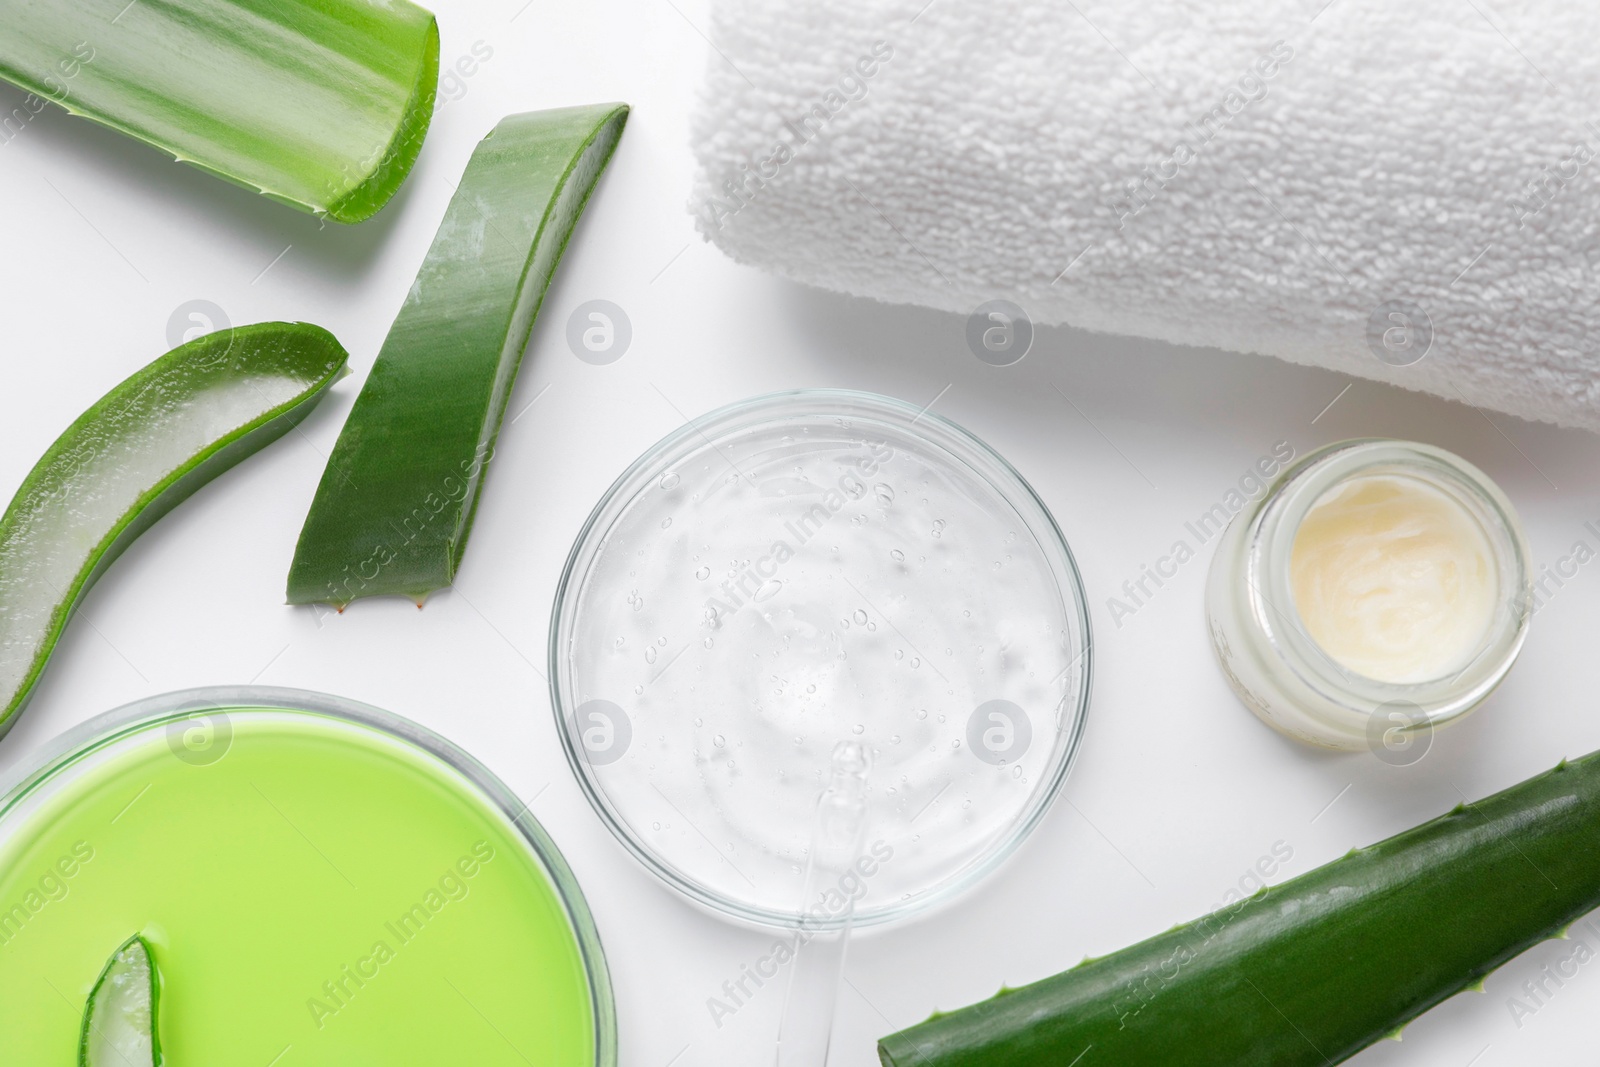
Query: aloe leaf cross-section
{"x": 318, "y": 104}
{"x": 396, "y": 503}
{"x": 140, "y": 450}
{"x": 121, "y": 1021}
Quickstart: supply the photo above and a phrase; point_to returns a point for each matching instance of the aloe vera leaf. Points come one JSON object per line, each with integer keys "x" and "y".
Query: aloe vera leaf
{"x": 120, "y": 1020}
{"x": 396, "y": 503}
{"x": 1309, "y": 972}
{"x": 318, "y": 104}
{"x": 141, "y": 449}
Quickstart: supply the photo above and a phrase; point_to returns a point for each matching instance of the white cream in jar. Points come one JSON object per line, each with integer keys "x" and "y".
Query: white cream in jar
{"x": 1393, "y": 578}
{"x": 1376, "y": 583}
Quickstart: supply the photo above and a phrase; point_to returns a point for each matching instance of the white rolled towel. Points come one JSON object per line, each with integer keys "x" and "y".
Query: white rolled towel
{"x": 1403, "y": 190}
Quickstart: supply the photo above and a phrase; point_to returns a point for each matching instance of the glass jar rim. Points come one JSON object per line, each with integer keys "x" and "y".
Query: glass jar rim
{"x": 1432, "y": 702}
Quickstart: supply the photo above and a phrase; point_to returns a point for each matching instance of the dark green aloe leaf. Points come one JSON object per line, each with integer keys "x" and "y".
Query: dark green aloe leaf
{"x": 318, "y": 104}
{"x": 1309, "y": 972}
{"x": 139, "y": 451}
{"x": 396, "y": 503}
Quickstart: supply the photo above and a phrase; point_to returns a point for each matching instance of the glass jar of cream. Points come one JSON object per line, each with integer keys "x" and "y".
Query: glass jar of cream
{"x": 1378, "y": 585}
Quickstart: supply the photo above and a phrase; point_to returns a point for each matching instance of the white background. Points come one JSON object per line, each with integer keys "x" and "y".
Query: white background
{"x": 1178, "y": 791}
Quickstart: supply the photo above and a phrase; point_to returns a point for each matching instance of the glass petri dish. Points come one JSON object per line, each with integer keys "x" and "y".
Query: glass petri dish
{"x": 793, "y": 572}
{"x": 314, "y": 875}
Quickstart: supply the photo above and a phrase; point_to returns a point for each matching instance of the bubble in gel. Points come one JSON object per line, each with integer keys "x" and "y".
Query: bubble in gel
{"x": 650, "y": 654}
{"x": 897, "y": 555}
{"x": 719, "y": 740}
{"x": 703, "y": 573}
{"x": 670, "y": 480}
{"x": 884, "y": 493}
{"x": 938, "y": 527}
{"x": 860, "y": 616}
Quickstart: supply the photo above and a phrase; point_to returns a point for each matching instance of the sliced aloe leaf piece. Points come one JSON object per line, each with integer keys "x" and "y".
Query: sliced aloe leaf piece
{"x": 140, "y": 450}
{"x": 396, "y": 503}
{"x": 319, "y": 104}
{"x": 119, "y": 1021}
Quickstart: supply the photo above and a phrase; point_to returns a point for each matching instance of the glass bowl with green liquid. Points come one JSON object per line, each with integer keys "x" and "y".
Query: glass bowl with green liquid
{"x": 322, "y": 883}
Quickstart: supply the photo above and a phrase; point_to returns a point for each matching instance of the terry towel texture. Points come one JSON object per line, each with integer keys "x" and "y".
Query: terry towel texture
{"x": 1329, "y": 183}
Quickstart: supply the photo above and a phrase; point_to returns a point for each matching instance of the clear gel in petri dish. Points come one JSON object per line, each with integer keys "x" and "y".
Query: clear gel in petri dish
{"x": 795, "y": 571}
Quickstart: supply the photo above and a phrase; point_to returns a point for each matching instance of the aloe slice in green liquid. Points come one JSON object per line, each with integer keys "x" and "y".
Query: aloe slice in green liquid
{"x": 119, "y": 1022}
{"x": 321, "y": 894}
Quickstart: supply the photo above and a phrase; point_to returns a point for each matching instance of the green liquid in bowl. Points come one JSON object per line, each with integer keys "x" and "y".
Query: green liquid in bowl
{"x": 323, "y": 893}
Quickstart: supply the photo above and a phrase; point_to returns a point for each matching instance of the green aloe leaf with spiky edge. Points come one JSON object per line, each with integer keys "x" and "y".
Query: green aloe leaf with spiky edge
{"x": 121, "y": 1019}
{"x": 396, "y": 502}
{"x": 1308, "y": 973}
{"x": 318, "y": 104}
{"x": 140, "y": 450}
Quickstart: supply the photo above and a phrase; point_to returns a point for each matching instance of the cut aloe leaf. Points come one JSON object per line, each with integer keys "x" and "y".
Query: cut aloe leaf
{"x": 119, "y": 1021}
{"x": 1308, "y": 973}
{"x": 140, "y": 450}
{"x": 319, "y": 104}
{"x": 396, "y": 503}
